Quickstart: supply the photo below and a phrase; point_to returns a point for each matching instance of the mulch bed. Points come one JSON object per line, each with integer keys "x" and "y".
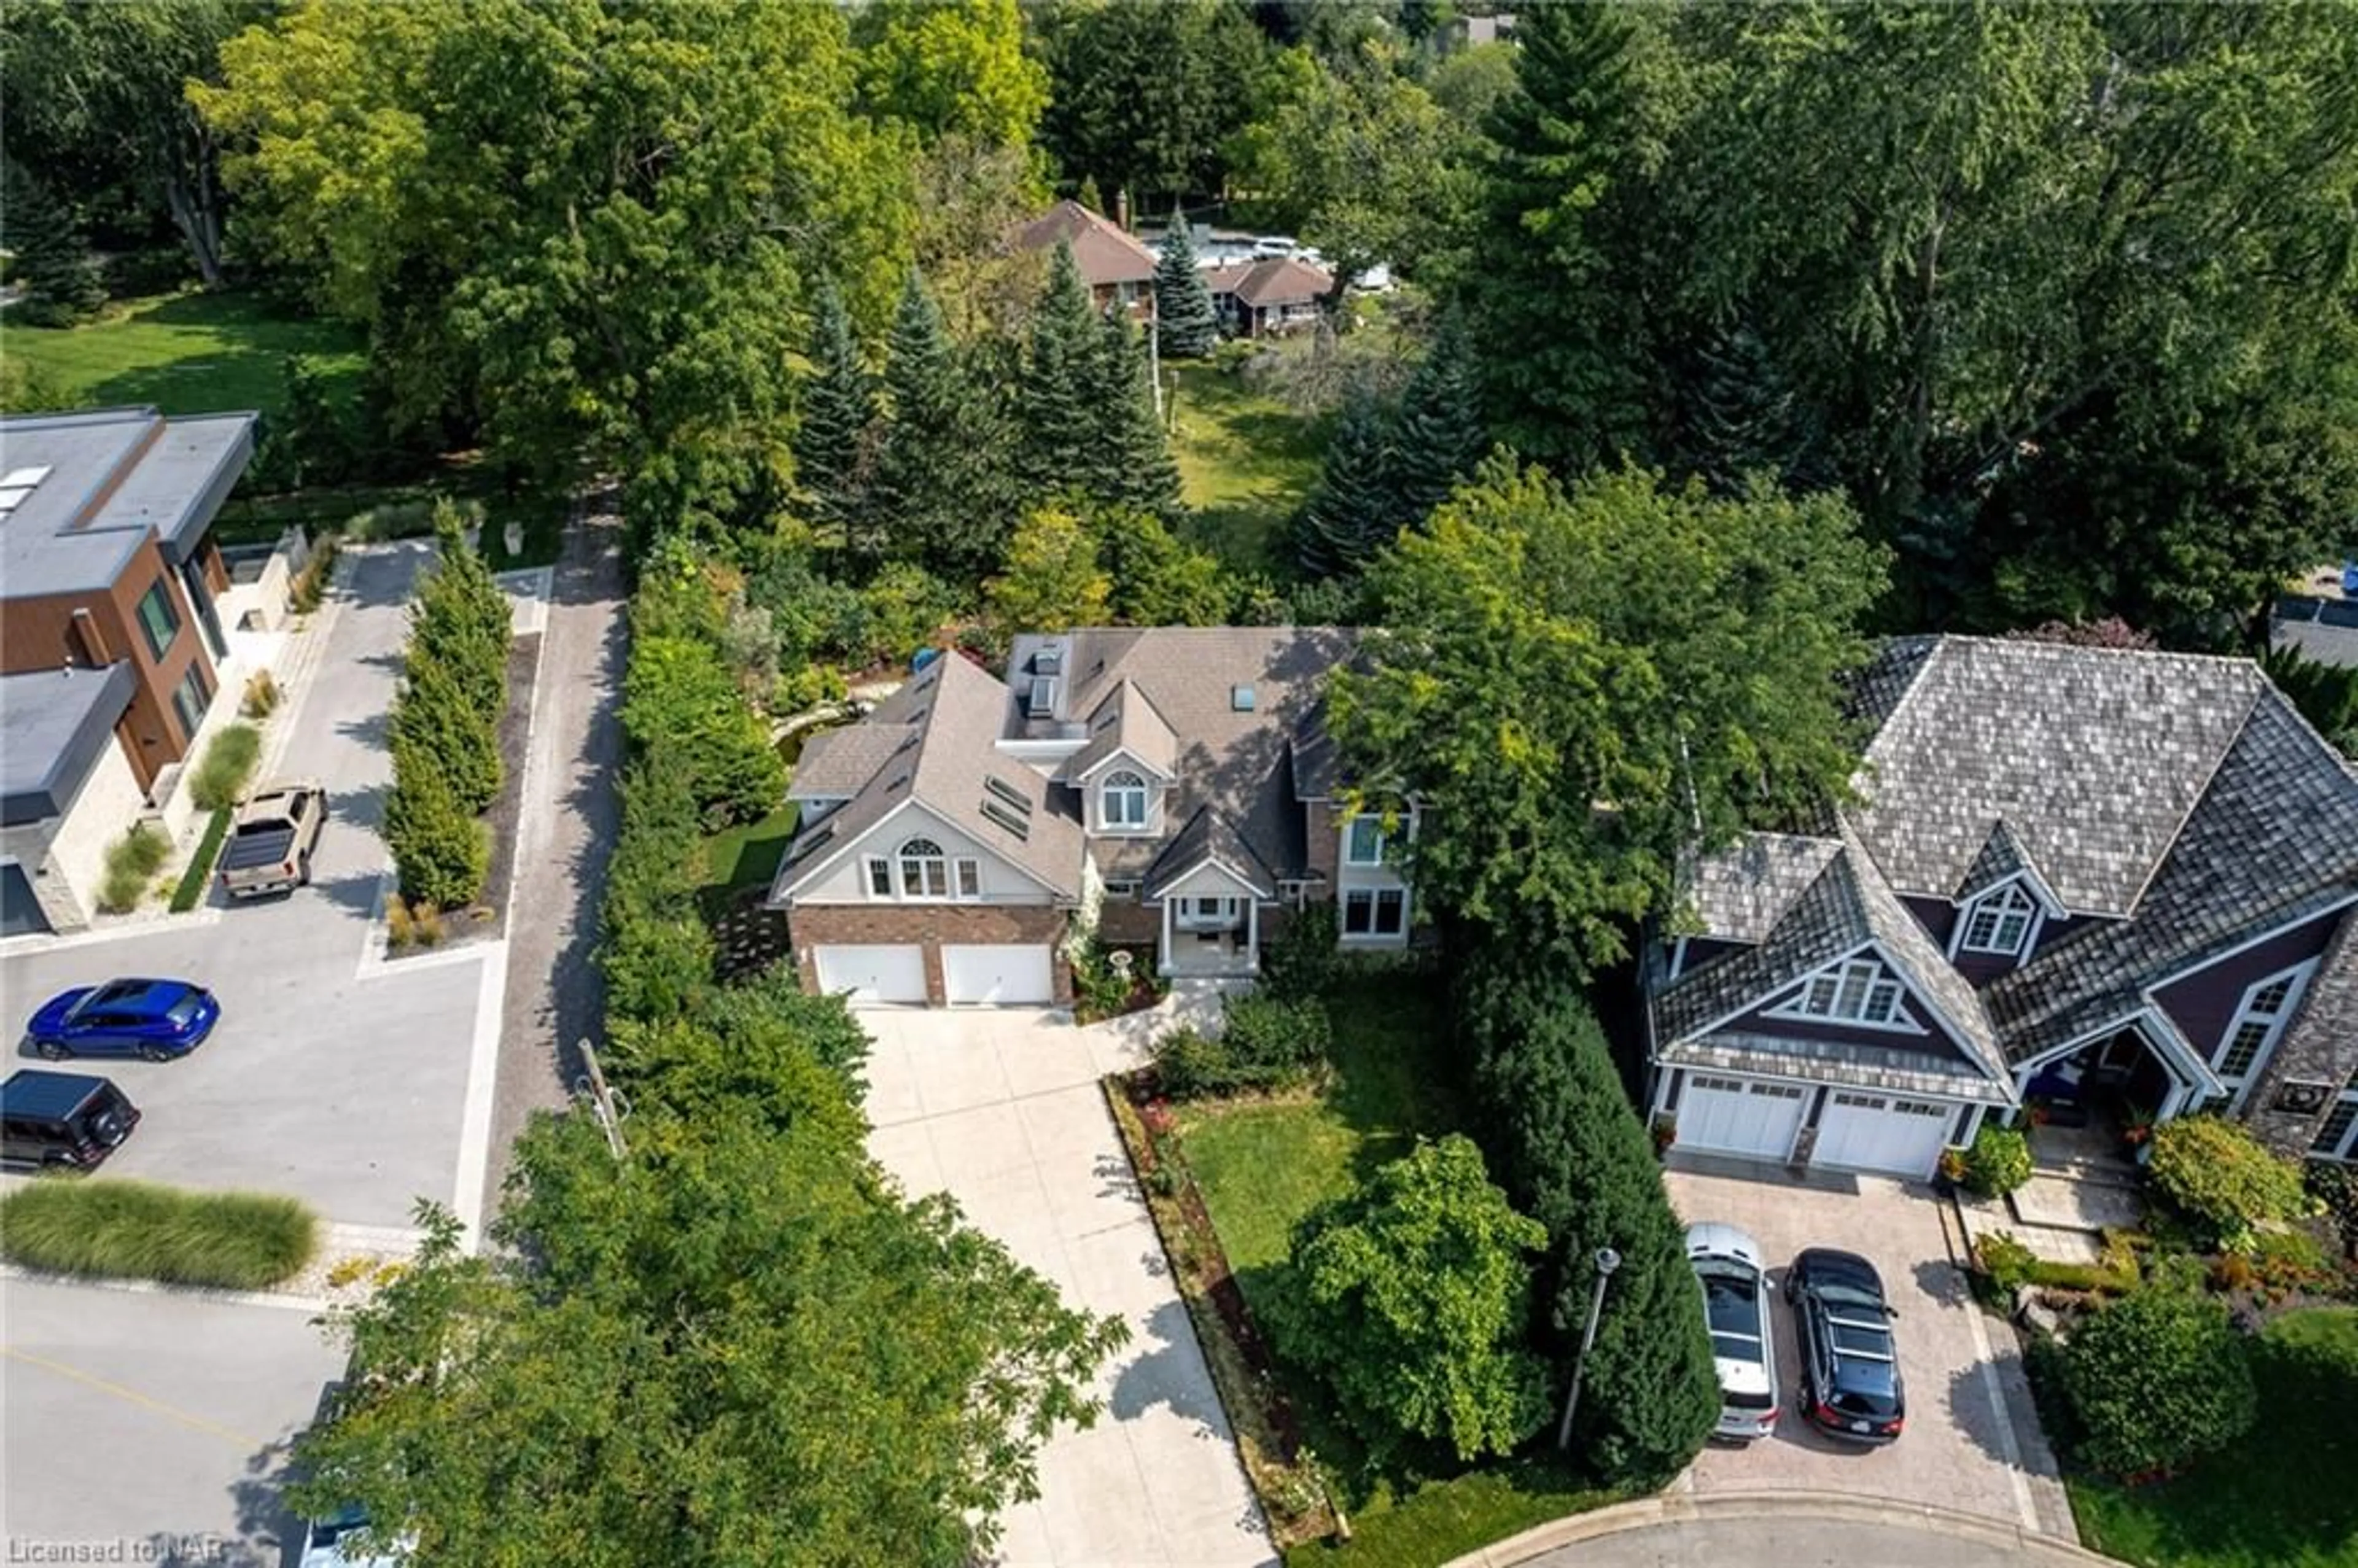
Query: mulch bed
{"x": 748, "y": 935}
{"x": 506, "y": 812}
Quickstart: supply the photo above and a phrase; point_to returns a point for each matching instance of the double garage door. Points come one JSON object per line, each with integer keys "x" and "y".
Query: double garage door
{"x": 1005, "y": 974}
{"x": 1859, "y": 1131}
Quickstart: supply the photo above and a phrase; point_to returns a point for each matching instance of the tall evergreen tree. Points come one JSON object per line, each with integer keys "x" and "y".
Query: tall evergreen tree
{"x": 1131, "y": 463}
{"x": 1054, "y": 393}
{"x": 51, "y": 260}
{"x": 1743, "y": 416}
{"x": 1569, "y": 1149}
{"x": 941, "y": 496}
{"x": 1561, "y": 361}
{"x": 1438, "y": 439}
{"x": 1184, "y": 319}
{"x": 1352, "y": 512}
{"x": 839, "y": 406}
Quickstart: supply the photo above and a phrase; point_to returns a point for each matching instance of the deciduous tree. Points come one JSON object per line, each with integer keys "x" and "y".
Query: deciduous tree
{"x": 1052, "y": 578}
{"x": 1409, "y": 1299}
{"x": 1581, "y": 684}
{"x": 950, "y": 68}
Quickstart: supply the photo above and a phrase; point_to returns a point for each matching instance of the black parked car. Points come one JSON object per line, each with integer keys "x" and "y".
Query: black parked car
{"x": 61, "y": 1120}
{"x": 1850, "y": 1362}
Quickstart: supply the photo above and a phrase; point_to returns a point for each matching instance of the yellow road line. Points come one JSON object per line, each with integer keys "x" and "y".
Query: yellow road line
{"x": 133, "y": 1396}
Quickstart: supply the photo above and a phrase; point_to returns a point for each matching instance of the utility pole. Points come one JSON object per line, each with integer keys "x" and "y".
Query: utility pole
{"x": 612, "y": 1110}
{"x": 1608, "y": 1261}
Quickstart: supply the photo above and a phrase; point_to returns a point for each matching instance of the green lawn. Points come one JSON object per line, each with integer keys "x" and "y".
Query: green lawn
{"x": 2287, "y": 1496}
{"x": 1263, "y": 1165}
{"x": 187, "y": 353}
{"x": 748, "y": 856}
{"x": 1246, "y": 461}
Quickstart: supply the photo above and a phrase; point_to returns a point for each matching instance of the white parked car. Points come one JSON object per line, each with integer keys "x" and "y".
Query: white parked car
{"x": 1743, "y": 1341}
{"x": 1275, "y": 246}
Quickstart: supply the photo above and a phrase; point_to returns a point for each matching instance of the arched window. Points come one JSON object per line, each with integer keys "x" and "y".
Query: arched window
{"x": 924, "y": 872}
{"x": 1122, "y": 802}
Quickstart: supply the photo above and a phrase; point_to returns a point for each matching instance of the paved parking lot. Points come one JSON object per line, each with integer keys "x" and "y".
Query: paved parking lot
{"x": 1972, "y": 1442}
{"x": 333, "y": 1077}
{"x": 356, "y": 1085}
{"x": 135, "y": 1423}
{"x": 1000, "y": 1107}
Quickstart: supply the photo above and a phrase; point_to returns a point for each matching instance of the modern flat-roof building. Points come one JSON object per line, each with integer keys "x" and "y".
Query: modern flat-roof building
{"x": 111, "y": 639}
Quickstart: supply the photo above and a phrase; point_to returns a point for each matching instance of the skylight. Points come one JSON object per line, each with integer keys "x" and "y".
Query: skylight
{"x": 1242, "y": 698}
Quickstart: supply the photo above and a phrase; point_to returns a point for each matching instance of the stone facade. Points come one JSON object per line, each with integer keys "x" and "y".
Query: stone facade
{"x": 931, "y": 926}
{"x": 64, "y": 857}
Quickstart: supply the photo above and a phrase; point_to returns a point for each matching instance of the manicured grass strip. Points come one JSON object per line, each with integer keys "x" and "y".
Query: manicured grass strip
{"x": 139, "y": 1230}
{"x": 1417, "y": 1526}
{"x": 191, "y": 890}
{"x": 748, "y": 856}
{"x": 2282, "y": 1498}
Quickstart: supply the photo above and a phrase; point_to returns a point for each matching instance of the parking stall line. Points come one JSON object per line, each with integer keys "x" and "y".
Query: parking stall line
{"x": 483, "y": 1082}
{"x": 132, "y": 1396}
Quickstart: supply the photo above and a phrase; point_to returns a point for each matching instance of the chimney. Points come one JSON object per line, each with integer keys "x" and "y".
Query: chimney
{"x": 1121, "y": 209}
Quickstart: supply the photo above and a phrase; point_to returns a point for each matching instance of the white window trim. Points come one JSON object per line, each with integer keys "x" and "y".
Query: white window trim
{"x": 958, "y": 870}
{"x": 1901, "y": 1021}
{"x": 2239, "y": 1085}
{"x": 1137, "y": 787}
{"x": 2008, "y": 899}
{"x": 1375, "y": 896}
{"x": 2345, "y": 1149}
{"x": 1350, "y": 831}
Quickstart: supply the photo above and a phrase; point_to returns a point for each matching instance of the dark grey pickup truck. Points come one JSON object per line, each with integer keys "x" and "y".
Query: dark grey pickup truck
{"x": 270, "y": 844}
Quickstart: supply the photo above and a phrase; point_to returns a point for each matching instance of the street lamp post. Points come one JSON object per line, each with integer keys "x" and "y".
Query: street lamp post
{"x": 1608, "y": 1261}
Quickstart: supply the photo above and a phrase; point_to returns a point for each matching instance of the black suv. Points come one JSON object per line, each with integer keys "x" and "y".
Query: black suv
{"x": 1850, "y": 1363}
{"x": 69, "y": 1119}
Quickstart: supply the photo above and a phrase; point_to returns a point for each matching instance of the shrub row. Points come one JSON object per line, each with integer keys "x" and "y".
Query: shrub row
{"x": 445, "y": 725}
{"x": 132, "y": 862}
{"x": 136, "y": 1230}
{"x": 200, "y": 870}
{"x": 1266, "y": 1042}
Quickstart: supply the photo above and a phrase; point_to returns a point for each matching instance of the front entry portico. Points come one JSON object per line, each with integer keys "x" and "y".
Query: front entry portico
{"x": 2141, "y": 1071}
{"x": 1211, "y": 921}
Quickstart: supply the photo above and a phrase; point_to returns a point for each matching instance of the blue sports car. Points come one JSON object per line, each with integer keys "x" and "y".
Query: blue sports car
{"x": 154, "y": 1019}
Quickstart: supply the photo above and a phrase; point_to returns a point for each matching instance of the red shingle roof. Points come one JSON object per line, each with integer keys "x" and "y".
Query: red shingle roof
{"x": 1104, "y": 254}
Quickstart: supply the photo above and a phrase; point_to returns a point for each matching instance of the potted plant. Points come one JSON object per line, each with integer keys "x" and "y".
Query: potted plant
{"x": 1666, "y": 1132}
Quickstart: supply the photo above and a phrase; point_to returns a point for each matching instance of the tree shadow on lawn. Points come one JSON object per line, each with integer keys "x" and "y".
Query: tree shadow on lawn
{"x": 2283, "y": 1496}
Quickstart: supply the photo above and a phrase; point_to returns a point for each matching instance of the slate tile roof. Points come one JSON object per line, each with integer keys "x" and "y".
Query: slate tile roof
{"x": 2273, "y": 840}
{"x": 1741, "y": 893}
{"x": 1835, "y": 1061}
{"x": 2181, "y": 799}
{"x": 956, "y": 713}
{"x": 1846, "y": 906}
{"x": 2328, "y": 1014}
{"x": 2094, "y": 757}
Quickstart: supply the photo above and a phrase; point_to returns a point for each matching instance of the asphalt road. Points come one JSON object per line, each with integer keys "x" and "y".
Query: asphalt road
{"x": 154, "y": 1427}
{"x": 1798, "y": 1542}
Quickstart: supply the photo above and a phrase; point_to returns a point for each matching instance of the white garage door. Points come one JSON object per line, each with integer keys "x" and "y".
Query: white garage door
{"x": 1739, "y": 1115}
{"x": 873, "y": 974}
{"x": 1004, "y": 973}
{"x": 1883, "y": 1132}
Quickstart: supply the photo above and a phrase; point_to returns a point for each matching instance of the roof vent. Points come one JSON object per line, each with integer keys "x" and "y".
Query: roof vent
{"x": 1042, "y": 701}
{"x": 1241, "y": 699}
{"x": 1048, "y": 661}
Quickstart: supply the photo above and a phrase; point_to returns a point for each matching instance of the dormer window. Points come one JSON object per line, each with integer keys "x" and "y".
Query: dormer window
{"x": 1121, "y": 800}
{"x": 2000, "y": 922}
{"x": 1363, "y": 841}
{"x": 1857, "y": 992}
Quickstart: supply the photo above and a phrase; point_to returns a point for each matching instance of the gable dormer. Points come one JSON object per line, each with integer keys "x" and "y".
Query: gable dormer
{"x": 1859, "y": 991}
{"x": 1127, "y": 765}
{"x": 2002, "y": 908}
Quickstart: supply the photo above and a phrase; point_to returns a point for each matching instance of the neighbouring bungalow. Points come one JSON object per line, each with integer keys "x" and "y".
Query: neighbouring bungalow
{"x": 1269, "y": 297}
{"x": 1116, "y": 269}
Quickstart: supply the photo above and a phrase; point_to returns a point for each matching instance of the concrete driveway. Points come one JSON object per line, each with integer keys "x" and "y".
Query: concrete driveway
{"x": 1972, "y": 1442}
{"x": 333, "y": 1076}
{"x": 152, "y": 1428}
{"x": 1001, "y": 1109}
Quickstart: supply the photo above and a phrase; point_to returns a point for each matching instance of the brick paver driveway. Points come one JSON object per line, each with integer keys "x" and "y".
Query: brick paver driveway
{"x": 1971, "y": 1442}
{"x": 1001, "y": 1109}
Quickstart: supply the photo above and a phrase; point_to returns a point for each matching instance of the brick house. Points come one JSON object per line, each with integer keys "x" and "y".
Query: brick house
{"x": 1116, "y": 269}
{"x": 1269, "y": 296}
{"x": 112, "y": 644}
{"x": 2116, "y": 885}
{"x": 1170, "y": 790}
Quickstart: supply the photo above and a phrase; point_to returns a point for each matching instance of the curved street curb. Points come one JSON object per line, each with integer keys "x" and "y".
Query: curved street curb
{"x": 2045, "y": 1550}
